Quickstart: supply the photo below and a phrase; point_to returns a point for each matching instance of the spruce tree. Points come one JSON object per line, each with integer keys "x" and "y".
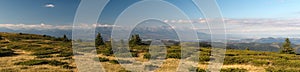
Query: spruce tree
{"x": 135, "y": 40}
{"x": 287, "y": 48}
{"x": 247, "y": 48}
{"x": 1, "y": 37}
{"x": 99, "y": 40}
{"x": 65, "y": 38}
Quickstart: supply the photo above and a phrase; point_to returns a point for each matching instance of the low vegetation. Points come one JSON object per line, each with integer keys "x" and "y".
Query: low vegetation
{"x": 41, "y": 62}
{"x": 29, "y": 51}
{"x": 6, "y": 52}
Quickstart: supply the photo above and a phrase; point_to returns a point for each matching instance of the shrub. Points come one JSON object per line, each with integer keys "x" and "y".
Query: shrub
{"x": 174, "y": 55}
{"x": 9, "y": 70}
{"x": 106, "y": 51}
{"x": 32, "y": 62}
{"x": 147, "y": 56}
{"x": 68, "y": 67}
{"x": 56, "y": 63}
{"x": 65, "y": 54}
{"x": 200, "y": 70}
{"x": 231, "y": 54}
{"x": 122, "y": 61}
{"x": 204, "y": 58}
{"x": 47, "y": 52}
{"x": 233, "y": 70}
{"x": 287, "y": 63}
{"x": 259, "y": 63}
{"x": 41, "y": 62}
{"x": 236, "y": 60}
{"x": 114, "y": 62}
{"x": 13, "y": 47}
{"x": 124, "y": 70}
{"x": 6, "y": 52}
{"x": 101, "y": 59}
{"x": 134, "y": 54}
{"x": 272, "y": 69}
{"x": 44, "y": 56}
{"x": 192, "y": 69}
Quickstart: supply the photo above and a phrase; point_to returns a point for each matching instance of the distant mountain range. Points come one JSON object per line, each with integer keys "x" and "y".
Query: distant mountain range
{"x": 145, "y": 32}
{"x": 266, "y": 40}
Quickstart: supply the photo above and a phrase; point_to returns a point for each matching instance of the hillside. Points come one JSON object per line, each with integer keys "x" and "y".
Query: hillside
{"x": 32, "y": 53}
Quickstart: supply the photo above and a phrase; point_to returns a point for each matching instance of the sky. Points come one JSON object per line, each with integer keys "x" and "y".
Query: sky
{"x": 251, "y": 17}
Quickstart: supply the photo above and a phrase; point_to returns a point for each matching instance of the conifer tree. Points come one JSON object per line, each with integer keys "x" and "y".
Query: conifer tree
{"x": 135, "y": 40}
{"x": 287, "y": 48}
{"x": 65, "y": 38}
{"x": 99, "y": 40}
{"x": 1, "y": 37}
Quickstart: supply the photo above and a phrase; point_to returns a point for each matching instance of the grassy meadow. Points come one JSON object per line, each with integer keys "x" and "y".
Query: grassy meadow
{"x": 41, "y": 53}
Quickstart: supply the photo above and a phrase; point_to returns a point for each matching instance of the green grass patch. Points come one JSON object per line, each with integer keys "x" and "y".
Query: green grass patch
{"x": 6, "y": 52}
{"x": 41, "y": 62}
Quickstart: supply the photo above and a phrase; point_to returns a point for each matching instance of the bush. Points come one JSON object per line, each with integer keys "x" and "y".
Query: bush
{"x": 41, "y": 62}
{"x": 101, "y": 59}
{"x": 9, "y": 70}
{"x": 122, "y": 61}
{"x": 56, "y": 63}
{"x": 114, "y": 62}
{"x": 192, "y": 69}
{"x": 106, "y": 51}
{"x": 124, "y": 70}
{"x": 47, "y": 52}
{"x": 204, "y": 58}
{"x": 147, "y": 56}
{"x": 44, "y": 56}
{"x": 286, "y": 63}
{"x": 13, "y": 47}
{"x": 260, "y": 63}
{"x": 68, "y": 67}
{"x": 6, "y": 52}
{"x": 32, "y": 62}
{"x": 272, "y": 69}
{"x": 236, "y": 60}
{"x": 233, "y": 70}
{"x": 134, "y": 54}
{"x": 174, "y": 55}
{"x": 65, "y": 54}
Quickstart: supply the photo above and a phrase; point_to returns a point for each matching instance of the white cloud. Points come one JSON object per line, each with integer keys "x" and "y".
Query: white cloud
{"x": 49, "y": 5}
{"x": 249, "y": 26}
{"x": 43, "y": 26}
{"x": 33, "y": 26}
{"x": 233, "y": 26}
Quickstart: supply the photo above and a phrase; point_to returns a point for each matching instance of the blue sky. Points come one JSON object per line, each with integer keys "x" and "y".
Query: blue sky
{"x": 35, "y": 12}
{"x": 242, "y": 16}
{"x": 260, "y": 8}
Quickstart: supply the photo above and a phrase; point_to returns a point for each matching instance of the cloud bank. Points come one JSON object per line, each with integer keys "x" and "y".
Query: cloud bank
{"x": 233, "y": 26}
{"x": 49, "y": 26}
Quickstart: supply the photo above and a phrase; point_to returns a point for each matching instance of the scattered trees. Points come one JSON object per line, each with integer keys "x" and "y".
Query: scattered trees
{"x": 287, "y": 48}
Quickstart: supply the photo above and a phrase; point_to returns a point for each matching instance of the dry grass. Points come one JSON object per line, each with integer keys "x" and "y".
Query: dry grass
{"x": 250, "y": 68}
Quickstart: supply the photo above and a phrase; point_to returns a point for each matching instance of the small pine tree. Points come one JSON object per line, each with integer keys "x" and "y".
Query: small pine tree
{"x": 287, "y": 48}
{"x": 1, "y": 37}
{"x": 65, "y": 38}
{"x": 247, "y": 48}
{"x": 135, "y": 40}
{"x": 99, "y": 40}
